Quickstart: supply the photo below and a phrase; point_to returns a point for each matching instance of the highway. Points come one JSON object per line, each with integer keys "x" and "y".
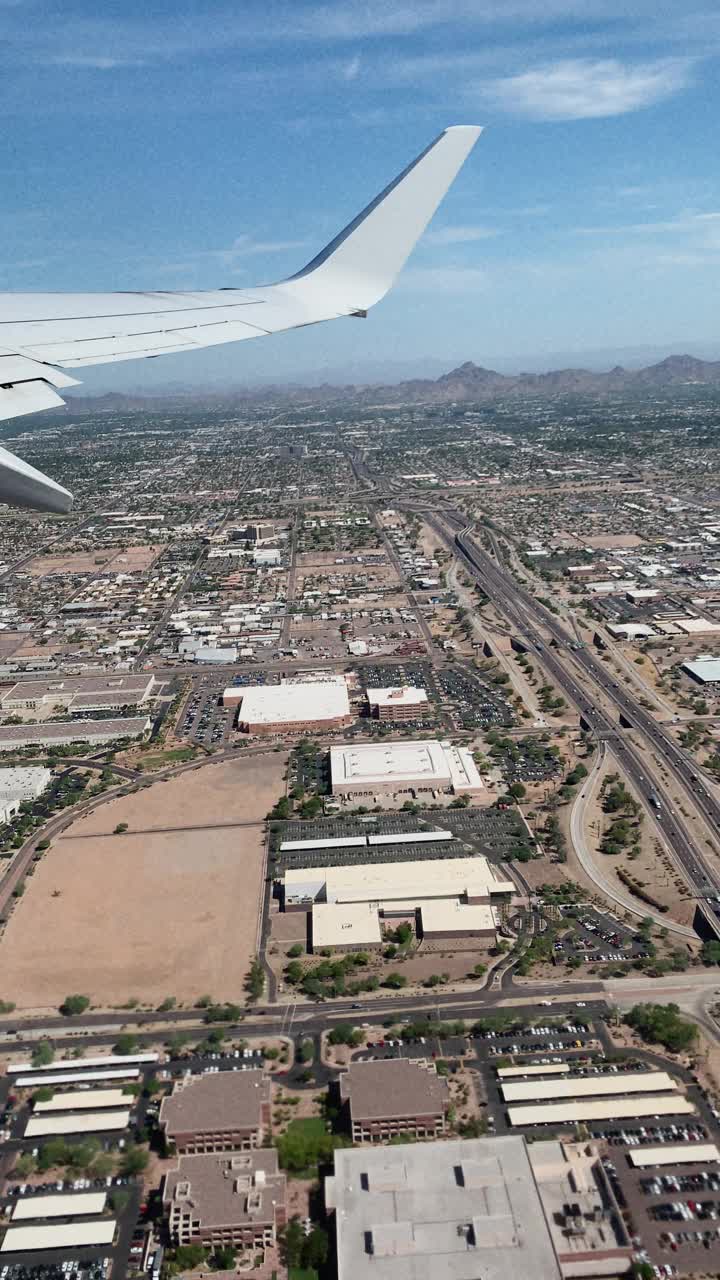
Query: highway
{"x": 528, "y": 615}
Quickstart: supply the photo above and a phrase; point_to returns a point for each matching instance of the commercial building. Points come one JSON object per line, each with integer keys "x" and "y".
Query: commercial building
{"x": 52, "y": 734}
{"x": 90, "y": 1122}
{"x": 394, "y": 1096}
{"x": 61, "y": 1235}
{"x": 582, "y": 1212}
{"x": 300, "y": 707}
{"x": 395, "y": 886}
{"x": 238, "y": 1199}
{"x": 451, "y": 898}
{"x": 396, "y": 705}
{"x": 451, "y": 1209}
{"x": 79, "y": 693}
{"x": 74, "y": 1206}
{"x": 393, "y": 767}
{"x": 705, "y": 669}
{"x": 566, "y": 1113}
{"x": 595, "y": 1086}
{"x": 672, "y": 1154}
{"x": 18, "y": 785}
{"x": 226, "y": 1111}
{"x": 347, "y": 926}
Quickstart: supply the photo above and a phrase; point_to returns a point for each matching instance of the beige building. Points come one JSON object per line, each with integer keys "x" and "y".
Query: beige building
{"x": 237, "y": 1199}
{"x": 292, "y": 707}
{"x": 392, "y": 768}
{"x": 223, "y": 1111}
{"x": 399, "y": 704}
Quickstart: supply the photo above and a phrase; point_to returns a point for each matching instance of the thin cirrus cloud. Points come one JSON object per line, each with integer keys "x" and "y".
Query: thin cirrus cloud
{"x": 584, "y": 88}
{"x": 460, "y": 235}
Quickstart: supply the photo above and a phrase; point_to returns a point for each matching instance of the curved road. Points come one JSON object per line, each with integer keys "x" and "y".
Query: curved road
{"x": 594, "y": 872}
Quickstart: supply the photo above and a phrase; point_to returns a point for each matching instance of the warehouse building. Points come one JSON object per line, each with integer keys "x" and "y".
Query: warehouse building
{"x": 237, "y": 1200}
{"x": 395, "y": 767}
{"x": 61, "y": 1235}
{"x": 79, "y": 693}
{"x": 454, "y": 1209}
{"x": 453, "y": 899}
{"x": 18, "y": 785}
{"x": 576, "y": 1111}
{"x": 227, "y": 1111}
{"x": 299, "y": 707}
{"x": 396, "y": 705}
{"x": 705, "y": 669}
{"x": 396, "y": 1096}
{"x": 53, "y": 734}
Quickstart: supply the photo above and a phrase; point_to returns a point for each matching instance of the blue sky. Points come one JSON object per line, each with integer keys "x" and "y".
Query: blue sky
{"x": 175, "y": 145}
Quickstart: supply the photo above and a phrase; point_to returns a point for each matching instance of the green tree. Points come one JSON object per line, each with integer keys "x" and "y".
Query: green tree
{"x": 223, "y": 1259}
{"x": 74, "y": 1005}
{"x": 395, "y": 981}
{"x": 120, "y": 829}
{"x": 45, "y": 1094}
{"x": 24, "y": 1166}
{"x": 662, "y": 1024}
{"x": 134, "y": 1161}
{"x": 255, "y": 980}
{"x": 295, "y": 950}
{"x": 125, "y": 1045}
{"x": 43, "y": 1054}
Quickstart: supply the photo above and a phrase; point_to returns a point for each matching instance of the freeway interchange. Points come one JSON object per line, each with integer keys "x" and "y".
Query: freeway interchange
{"x": 561, "y": 658}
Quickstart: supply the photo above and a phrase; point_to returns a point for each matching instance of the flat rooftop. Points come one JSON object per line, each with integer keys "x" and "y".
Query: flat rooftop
{"x": 450, "y": 915}
{"x": 594, "y": 1086}
{"x": 74, "y": 730}
{"x": 227, "y": 1100}
{"x": 93, "y": 1122}
{"x": 401, "y": 696}
{"x": 62, "y": 1235}
{"x": 403, "y": 881}
{"x": 60, "y": 1206}
{"x": 226, "y": 1189}
{"x": 602, "y": 1109}
{"x": 345, "y": 924}
{"x": 290, "y": 703}
{"x": 707, "y": 670}
{"x": 451, "y": 1210}
{"x": 83, "y": 1100}
{"x": 394, "y": 1088}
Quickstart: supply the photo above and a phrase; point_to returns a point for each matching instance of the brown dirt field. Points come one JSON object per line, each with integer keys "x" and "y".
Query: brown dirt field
{"x": 654, "y": 867}
{"x": 170, "y": 908}
{"x": 128, "y": 560}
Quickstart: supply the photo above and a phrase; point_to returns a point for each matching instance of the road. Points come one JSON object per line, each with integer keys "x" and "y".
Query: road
{"x": 528, "y": 616}
{"x": 607, "y": 888}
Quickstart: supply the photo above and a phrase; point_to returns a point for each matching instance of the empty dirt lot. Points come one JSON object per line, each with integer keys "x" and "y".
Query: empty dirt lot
{"x": 168, "y": 909}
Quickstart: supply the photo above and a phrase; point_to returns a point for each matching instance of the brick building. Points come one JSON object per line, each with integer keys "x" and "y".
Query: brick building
{"x": 396, "y": 705}
{"x": 226, "y": 1111}
{"x": 237, "y": 1199}
{"x": 393, "y": 1096}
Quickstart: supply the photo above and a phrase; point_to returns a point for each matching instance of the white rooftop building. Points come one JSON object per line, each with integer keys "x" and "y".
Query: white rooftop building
{"x": 291, "y": 706}
{"x": 19, "y": 785}
{"x": 369, "y": 768}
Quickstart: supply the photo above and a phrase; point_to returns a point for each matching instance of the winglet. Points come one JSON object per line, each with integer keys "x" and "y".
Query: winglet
{"x": 359, "y": 266}
{"x": 23, "y": 486}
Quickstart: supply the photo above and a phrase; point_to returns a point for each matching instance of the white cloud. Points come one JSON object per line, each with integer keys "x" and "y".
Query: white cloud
{"x": 683, "y": 223}
{"x": 460, "y": 235}
{"x": 444, "y": 280}
{"x": 92, "y": 61}
{"x": 351, "y": 70}
{"x": 583, "y": 88}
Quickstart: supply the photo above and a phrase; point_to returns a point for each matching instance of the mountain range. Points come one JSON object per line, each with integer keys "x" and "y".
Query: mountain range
{"x": 469, "y": 382}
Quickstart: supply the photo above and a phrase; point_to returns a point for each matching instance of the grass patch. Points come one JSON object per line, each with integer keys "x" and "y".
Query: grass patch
{"x": 177, "y": 756}
{"x": 308, "y": 1127}
{"x": 302, "y": 1273}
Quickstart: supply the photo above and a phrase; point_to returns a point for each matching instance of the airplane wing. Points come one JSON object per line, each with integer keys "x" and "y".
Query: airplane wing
{"x": 39, "y": 332}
